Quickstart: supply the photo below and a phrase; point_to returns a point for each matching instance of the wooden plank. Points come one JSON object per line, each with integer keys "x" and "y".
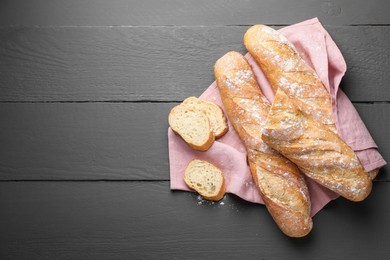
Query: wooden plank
{"x": 77, "y": 64}
{"x": 193, "y": 12}
{"x": 367, "y": 54}
{"x": 109, "y": 141}
{"x": 84, "y": 141}
{"x": 372, "y": 115}
{"x": 139, "y": 220}
{"x": 156, "y": 63}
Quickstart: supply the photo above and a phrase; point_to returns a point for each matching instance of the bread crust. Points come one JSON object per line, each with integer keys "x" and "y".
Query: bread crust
{"x": 287, "y": 70}
{"x": 279, "y": 182}
{"x": 317, "y": 151}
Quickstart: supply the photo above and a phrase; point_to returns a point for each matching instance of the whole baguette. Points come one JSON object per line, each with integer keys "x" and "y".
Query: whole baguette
{"x": 285, "y": 69}
{"x": 317, "y": 151}
{"x": 279, "y": 181}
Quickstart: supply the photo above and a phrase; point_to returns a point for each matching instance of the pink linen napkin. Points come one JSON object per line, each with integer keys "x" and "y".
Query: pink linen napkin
{"x": 228, "y": 153}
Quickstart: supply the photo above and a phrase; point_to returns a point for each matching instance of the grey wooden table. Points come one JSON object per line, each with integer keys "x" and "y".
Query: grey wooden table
{"x": 85, "y": 90}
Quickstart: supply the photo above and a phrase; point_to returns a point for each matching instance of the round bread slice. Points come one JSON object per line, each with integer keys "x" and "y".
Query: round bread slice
{"x": 214, "y": 113}
{"x": 193, "y": 126}
{"x": 206, "y": 179}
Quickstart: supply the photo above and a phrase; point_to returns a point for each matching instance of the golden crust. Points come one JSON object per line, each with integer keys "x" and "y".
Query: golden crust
{"x": 203, "y": 147}
{"x": 280, "y": 183}
{"x": 220, "y": 194}
{"x": 317, "y": 151}
{"x": 285, "y": 69}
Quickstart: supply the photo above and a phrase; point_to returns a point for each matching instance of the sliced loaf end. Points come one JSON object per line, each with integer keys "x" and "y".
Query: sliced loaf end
{"x": 206, "y": 179}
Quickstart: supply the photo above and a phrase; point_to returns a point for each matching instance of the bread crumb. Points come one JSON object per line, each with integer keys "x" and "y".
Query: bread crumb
{"x": 200, "y": 200}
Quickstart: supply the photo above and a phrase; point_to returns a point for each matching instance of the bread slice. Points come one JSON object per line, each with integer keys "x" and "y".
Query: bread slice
{"x": 206, "y": 179}
{"x": 214, "y": 113}
{"x": 193, "y": 126}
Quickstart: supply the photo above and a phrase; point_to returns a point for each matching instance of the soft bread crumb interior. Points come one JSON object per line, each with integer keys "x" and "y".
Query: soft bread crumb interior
{"x": 204, "y": 177}
{"x": 213, "y": 111}
{"x": 192, "y": 125}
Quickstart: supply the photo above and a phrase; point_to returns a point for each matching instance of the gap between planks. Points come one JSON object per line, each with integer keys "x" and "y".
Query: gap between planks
{"x": 137, "y": 101}
{"x": 171, "y": 25}
{"x": 91, "y": 101}
{"x": 86, "y": 180}
{"x": 108, "y": 180}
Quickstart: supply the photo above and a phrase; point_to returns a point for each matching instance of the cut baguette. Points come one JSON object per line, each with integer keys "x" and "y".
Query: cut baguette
{"x": 193, "y": 126}
{"x": 206, "y": 179}
{"x": 214, "y": 113}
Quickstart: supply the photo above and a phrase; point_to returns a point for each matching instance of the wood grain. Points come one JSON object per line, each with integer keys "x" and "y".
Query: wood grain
{"x": 193, "y": 12}
{"x": 84, "y": 141}
{"x": 85, "y": 91}
{"x": 139, "y": 220}
{"x": 367, "y": 67}
{"x": 156, "y": 63}
{"x": 108, "y": 141}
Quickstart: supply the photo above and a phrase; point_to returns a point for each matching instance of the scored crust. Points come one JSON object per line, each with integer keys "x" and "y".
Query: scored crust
{"x": 279, "y": 181}
{"x": 317, "y": 151}
{"x": 287, "y": 70}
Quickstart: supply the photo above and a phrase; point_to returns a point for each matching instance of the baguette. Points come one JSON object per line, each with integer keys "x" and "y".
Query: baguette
{"x": 206, "y": 179}
{"x": 317, "y": 151}
{"x": 285, "y": 69}
{"x": 281, "y": 185}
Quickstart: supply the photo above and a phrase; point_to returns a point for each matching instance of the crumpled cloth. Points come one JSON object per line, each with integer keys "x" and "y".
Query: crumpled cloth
{"x": 228, "y": 153}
